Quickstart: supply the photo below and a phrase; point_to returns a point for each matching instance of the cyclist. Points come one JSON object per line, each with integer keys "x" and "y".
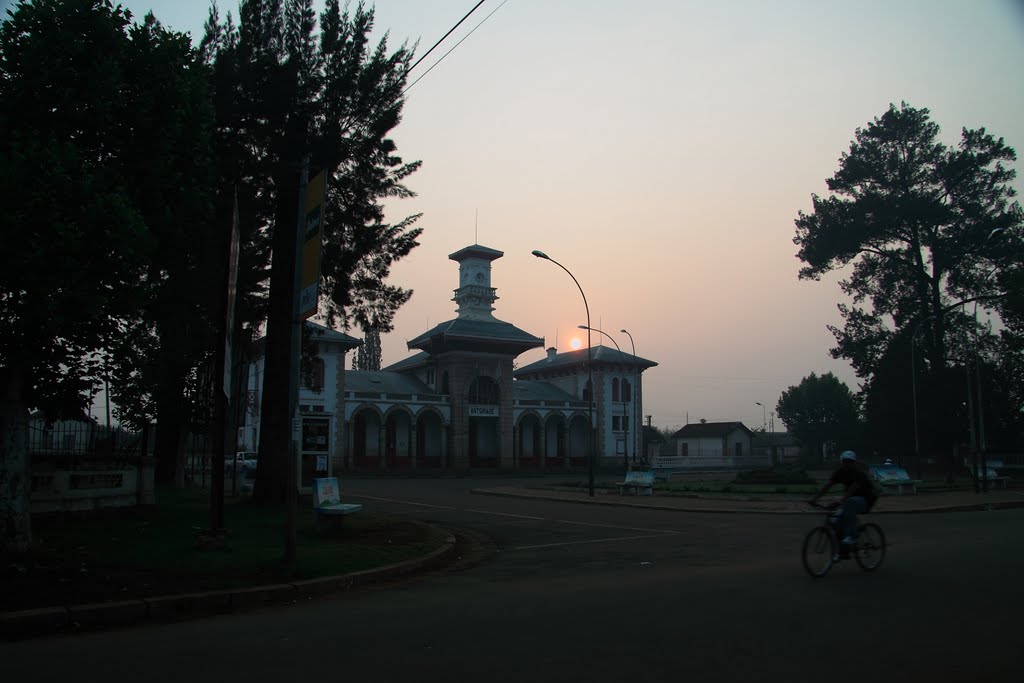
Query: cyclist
{"x": 858, "y": 497}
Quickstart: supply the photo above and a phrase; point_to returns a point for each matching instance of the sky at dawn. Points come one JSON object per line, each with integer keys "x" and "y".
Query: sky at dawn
{"x": 661, "y": 150}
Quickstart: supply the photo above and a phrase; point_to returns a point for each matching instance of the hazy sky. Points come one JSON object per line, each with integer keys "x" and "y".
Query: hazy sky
{"x": 661, "y": 150}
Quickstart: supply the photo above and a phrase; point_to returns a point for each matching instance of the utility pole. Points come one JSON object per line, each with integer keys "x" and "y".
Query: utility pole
{"x": 291, "y": 488}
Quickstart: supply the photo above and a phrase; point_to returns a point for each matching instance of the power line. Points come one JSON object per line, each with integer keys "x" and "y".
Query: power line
{"x": 445, "y": 36}
{"x": 456, "y": 44}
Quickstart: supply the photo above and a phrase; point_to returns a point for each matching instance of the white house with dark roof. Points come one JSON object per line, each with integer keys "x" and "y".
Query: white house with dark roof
{"x": 457, "y": 404}
{"x": 713, "y": 445}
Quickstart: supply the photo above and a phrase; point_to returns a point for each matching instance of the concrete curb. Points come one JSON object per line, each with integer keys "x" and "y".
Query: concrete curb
{"x": 739, "y": 510}
{"x": 105, "y": 615}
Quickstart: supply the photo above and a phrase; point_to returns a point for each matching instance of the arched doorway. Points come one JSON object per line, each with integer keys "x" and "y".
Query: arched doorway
{"x": 554, "y": 442}
{"x": 398, "y": 439}
{"x": 530, "y": 447}
{"x": 579, "y": 440}
{"x": 366, "y": 428}
{"x": 429, "y": 440}
{"x": 484, "y": 400}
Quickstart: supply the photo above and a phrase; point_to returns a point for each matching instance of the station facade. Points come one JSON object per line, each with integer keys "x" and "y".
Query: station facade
{"x": 458, "y": 403}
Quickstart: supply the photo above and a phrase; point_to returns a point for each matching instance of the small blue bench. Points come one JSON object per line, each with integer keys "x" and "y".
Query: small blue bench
{"x": 637, "y": 483}
{"x": 893, "y": 477}
{"x": 327, "y": 500}
{"x": 990, "y": 472}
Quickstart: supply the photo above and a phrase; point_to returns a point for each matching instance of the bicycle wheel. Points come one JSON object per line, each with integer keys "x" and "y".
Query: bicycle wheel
{"x": 869, "y": 551}
{"x": 820, "y": 546}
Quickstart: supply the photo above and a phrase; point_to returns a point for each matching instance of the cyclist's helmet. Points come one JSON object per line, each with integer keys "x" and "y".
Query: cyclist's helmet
{"x": 847, "y": 455}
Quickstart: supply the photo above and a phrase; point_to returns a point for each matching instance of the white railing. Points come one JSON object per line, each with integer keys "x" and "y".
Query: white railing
{"x": 696, "y": 462}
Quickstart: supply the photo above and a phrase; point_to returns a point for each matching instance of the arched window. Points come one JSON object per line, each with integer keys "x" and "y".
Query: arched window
{"x": 615, "y": 388}
{"x": 484, "y": 391}
{"x": 627, "y": 391}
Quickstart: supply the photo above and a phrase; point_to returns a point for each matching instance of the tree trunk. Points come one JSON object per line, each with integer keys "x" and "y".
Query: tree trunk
{"x": 275, "y": 421}
{"x": 15, "y": 471}
{"x": 170, "y": 419}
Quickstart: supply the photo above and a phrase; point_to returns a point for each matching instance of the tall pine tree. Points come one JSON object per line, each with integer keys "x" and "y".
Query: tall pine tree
{"x": 332, "y": 101}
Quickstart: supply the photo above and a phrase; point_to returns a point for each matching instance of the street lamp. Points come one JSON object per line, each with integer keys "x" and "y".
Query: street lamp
{"x": 590, "y": 373}
{"x": 625, "y": 452}
{"x": 764, "y": 416}
{"x": 636, "y": 385}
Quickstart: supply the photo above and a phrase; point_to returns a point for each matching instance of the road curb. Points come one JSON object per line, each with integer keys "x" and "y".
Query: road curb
{"x": 554, "y": 497}
{"x": 104, "y": 615}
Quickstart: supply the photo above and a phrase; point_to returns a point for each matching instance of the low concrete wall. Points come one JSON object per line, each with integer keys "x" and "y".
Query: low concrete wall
{"x": 67, "y": 484}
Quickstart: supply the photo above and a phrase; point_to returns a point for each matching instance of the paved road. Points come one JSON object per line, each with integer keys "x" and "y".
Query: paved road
{"x": 579, "y": 592}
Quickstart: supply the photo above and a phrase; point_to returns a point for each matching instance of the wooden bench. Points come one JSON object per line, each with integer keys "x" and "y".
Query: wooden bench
{"x": 990, "y": 472}
{"x": 637, "y": 483}
{"x": 327, "y": 503}
{"x": 893, "y": 477}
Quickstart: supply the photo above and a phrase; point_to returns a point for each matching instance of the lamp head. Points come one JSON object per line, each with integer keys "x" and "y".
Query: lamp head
{"x": 583, "y": 327}
{"x": 540, "y": 254}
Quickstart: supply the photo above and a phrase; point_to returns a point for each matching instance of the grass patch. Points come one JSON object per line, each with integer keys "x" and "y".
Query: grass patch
{"x": 117, "y": 555}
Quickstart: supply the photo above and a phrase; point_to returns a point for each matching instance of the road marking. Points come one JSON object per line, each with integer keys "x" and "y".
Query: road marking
{"x": 613, "y": 526}
{"x": 403, "y": 502}
{"x": 504, "y": 514}
{"x": 594, "y": 540}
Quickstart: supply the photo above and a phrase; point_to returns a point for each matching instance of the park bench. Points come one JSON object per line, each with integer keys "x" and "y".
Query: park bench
{"x": 894, "y": 477}
{"x": 327, "y": 505}
{"x": 991, "y": 472}
{"x": 637, "y": 483}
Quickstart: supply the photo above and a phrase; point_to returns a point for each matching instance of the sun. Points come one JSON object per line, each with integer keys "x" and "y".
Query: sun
{"x": 576, "y": 344}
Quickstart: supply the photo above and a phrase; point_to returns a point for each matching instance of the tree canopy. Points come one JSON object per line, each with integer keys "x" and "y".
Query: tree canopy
{"x": 820, "y": 411}
{"x": 922, "y": 232}
{"x": 288, "y": 95}
{"x": 123, "y": 151}
{"x": 101, "y": 156}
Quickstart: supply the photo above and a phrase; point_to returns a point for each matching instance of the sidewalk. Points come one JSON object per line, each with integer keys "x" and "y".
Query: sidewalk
{"x": 945, "y": 501}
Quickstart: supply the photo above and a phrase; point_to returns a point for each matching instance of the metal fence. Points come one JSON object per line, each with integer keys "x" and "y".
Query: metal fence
{"x": 80, "y": 465}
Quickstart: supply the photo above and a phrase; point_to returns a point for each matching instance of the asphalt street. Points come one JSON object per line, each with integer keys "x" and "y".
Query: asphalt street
{"x": 578, "y": 592}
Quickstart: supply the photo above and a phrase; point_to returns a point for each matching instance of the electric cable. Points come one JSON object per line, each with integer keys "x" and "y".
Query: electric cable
{"x": 454, "y": 46}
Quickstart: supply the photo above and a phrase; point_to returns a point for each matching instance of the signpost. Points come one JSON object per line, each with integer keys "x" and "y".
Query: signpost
{"x": 309, "y": 278}
{"x": 306, "y": 287}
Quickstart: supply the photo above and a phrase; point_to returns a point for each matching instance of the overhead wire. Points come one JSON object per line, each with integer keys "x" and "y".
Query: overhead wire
{"x": 445, "y": 36}
{"x": 454, "y": 46}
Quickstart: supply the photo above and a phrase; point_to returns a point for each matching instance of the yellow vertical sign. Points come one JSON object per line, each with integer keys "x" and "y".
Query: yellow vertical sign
{"x": 309, "y": 277}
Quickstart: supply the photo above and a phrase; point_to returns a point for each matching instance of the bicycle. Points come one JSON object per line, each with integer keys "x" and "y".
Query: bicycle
{"x": 821, "y": 545}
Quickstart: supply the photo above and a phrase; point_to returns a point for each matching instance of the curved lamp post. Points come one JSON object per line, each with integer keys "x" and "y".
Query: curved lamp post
{"x": 625, "y": 451}
{"x": 764, "y": 416}
{"x": 636, "y": 381}
{"x": 590, "y": 374}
